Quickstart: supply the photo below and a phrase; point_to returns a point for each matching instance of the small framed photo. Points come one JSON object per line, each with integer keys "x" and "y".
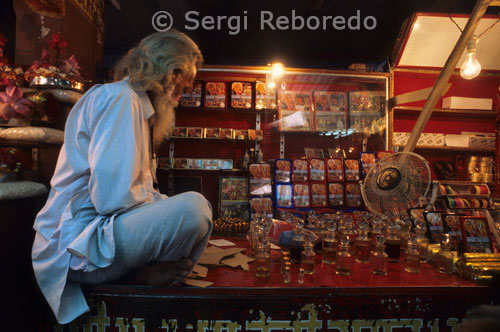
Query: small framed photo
{"x": 353, "y": 195}
{"x": 255, "y": 135}
{"x": 265, "y": 98}
{"x": 210, "y": 164}
{"x": 368, "y": 160}
{"x": 233, "y": 189}
{"x": 191, "y": 97}
{"x": 335, "y": 167}
{"x": 416, "y": 216}
{"x": 179, "y": 132}
{"x": 434, "y": 226}
{"x": 195, "y": 163}
{"x": 283, "y": 170}
{"x": 319, "y": 195}
{"x": 262, "y": 206}
{"x": 260, "y": 179}
{"x": 451, "y": 224}
{"x": 284, "y": 195}
{"x": 317, "y": 169}
{"x": 260, "y": 171}
{"x": 212, "y": 133}
{"x": 226, "y": 133}
{"x": 180, "y": 163}
{"x": 240, "y": 134}
{"x": 234, "y": 209}
{"x": 336, "y": 194}
{"x": 476, "y": 234}
{"x": 351, "y": 170}
{"x": 164, "y": 163}
{"x": 295, "y": 120}
{"x": 195, "y": 132}
{"x": 336, "y": 153}
{"x": 295, "y": 101}
{"x": 314, "y": 153}
{"x": 225, "y": 164}
{"x": 215, "y": 95}
{"x": 301, "y": 195}
{"x": 241, "y": 95}
{"x": 300, "y": 170}
{"x": 330, "y": 101}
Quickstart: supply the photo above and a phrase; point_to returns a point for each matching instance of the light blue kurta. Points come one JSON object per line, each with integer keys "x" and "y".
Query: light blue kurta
{"x": 103, "y": 170}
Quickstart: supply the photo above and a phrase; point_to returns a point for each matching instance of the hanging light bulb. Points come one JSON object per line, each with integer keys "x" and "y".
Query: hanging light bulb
{"x": 471, "y": 67}
{"x": 277, "y": 70}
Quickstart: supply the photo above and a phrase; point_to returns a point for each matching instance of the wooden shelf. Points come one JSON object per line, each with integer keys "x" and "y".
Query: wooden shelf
{"x": 204, "y": 170}
{"x": 27, "y": 144}
{"x": 464, "y": 183}
{"x": 414, "y": 109}
{"x": 453, "y": 149}
{"x": 249, "y": 111}
{"x": 212, "y": 139}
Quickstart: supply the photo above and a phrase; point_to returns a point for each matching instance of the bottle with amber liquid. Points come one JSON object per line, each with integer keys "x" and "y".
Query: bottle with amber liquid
{"x": 297, "y": 244}
{"x": 362, "y": 245}
{"x": 444, "y": 257}
{"x": 262, "y": 262}
{"x": 422, "y": 243}
{"x": 393, "y": 243}
{"x": 379, "y": 257}
{"x": 308, "y": 258}
{"x": 350, "y": 232}
{"x": 412, "y": 257}
{"x": 376, "y": 230}
{"x": 343, "y": 261}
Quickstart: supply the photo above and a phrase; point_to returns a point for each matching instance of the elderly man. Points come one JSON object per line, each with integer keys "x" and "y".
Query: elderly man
{"x": 103, "y": 217}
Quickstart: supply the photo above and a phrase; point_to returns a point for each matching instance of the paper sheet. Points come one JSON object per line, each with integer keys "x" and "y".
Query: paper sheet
{"x": 198, "y": 283}
{"x": 221, "y": 243}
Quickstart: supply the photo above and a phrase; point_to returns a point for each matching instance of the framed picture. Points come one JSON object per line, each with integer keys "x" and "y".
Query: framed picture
{"x": 451, "y": 224}
{"x": 226, "y": 133}
{"x": 416, "y": 216}
{"x": 165, "y": 163}
{"x": 284, "y": 195}
{"x": 319, "y": 195}
{"x": 241, "y": 95}
{"x": 195, "y": 132}
{"x": 240, "y": 134}
{"x": 233, "y": 189}
{"x": 351, "y": 170}
{"x": 368, "y": 160}
{"x": 262, "y": 206}
{"x": 435, "y": 226}
{"x": 210, "y": 164}
{"x": 195, "y": 163}
{"x": 180, "y": 163}
{"x": 234, "y": 209}
{"x": 335, "y": 168}
{"x": 215, "y": 95}
{"x": 330, "y": 111}
{"x": 225, "y": 164}
{"x": 255, "y": 135}
{"x": 260, "y": 179}
{"x": 212, "y": 133}
{"x": 179, "y": 132}
{"x": 300, "y": 170}
{"x": 265, "y": 98}
{"x": 191, "y": 97}
{"x": 353, "y": 195}
{"x": 314, "y": 153}
{"x": 294, "y": 101}
{"x": 301, "y": 195}
{"x": 283, "y": 170}
{"x": 317, "y": 169}
{"x": 336, "y": 194}
{"x": 295, "y": 121}
{"x": 336, "y": 153}
{"x": 475, "y": 234}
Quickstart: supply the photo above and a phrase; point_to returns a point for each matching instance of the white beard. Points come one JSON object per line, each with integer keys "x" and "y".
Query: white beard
{"x": 164, "y": 118}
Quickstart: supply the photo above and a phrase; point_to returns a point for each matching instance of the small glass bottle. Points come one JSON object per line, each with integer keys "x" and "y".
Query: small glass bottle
{"x": 423, "y": 244}
{"x": 404, "y": 231}
{"x": 301, "y": 276}
{"x": 444, "y": 258}
{"x": 297, "y": 244}
{"x": 330, "y": 247}
{"x": 349, "y": 232}
{"x": 379, "y": 257}
{"x": 377, "y": 229}
{"x": 287, "y": 275}
{"x": 343, "y": 261}
{"x": 362, "y": 245}
{"x": 262, "y": 262}
{"x": 308, "y": 258}
{"x": 393, "y": 243}
{"x": 412, "y": 257}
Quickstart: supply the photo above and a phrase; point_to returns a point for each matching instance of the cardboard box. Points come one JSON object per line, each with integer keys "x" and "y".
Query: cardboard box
{"x": 400, "y": 139}
{"x": 431, "y": 139}
{"x": 466, "y": 103}
{"x": 480, "y": 142}
{"x": 459, "y": 141}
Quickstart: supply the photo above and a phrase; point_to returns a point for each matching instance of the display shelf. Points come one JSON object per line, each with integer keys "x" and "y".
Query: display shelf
{"x": 464, "y": 183}
{"x": 191, "y": 139}
{"x": 27, "y": 144}
{"x": 205, "y": 170}
{"x": 451, "y": 149}
{"x": 228, "y": 110}
{"x": 414, "y": 109}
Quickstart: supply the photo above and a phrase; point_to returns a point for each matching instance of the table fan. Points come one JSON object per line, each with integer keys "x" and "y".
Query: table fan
{"x": 397, "y": 182}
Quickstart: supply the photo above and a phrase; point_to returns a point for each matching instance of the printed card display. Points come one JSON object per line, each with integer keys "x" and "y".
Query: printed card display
{"x": 226, "y": 133}
{"x": 210, "y": 164}
{"x": 195, "y": 132}
{"x": 475, "y": 234}
{"x": 330, "y": 110}
{"x": 300, "y": 170}
{"x": 367, "y": 162}
{"x": 195, "y": 163}
{"x": 451, "y": 223}
{"x": 180, "y": 163}
{"x": 284, "y": 195}
{"x": 365, "y": 108}
{"x": 435, "y": 226}
{"x": 165, "y": 163}
{"x": 260, "y": 179}
{"x": 215, "y": 95}
{"x": 335, "y": 167}
{"x": 241, "y": 95}
{"x": 314, "y": 153}
{"x": 382, "y": 154}
{"x": 301, "y": 195}
{"x": 234, "y": 209}
{"x": 261, "y": 206}
{"x": 351, "y": 171}
{"x": 336, "y": 194}
{"x": 264, "y": 98}
{"x": 353, "y": 195}
{"x": 283, "y": 171}
{"x": 295, "y": 111}
{"x": 255, "y": 135}
{"x": 317, "y": 170}
{"x": 240, "y": 134}
{"x": 233, "y": 189}
{"x": 417, "y": 216}
{"x": 212, "y": 133}
{"x": 180, "y": 132}
{"x": 191, "y": 97}
{"x": 225, "y": 164}
{"x": 319, "y": 195}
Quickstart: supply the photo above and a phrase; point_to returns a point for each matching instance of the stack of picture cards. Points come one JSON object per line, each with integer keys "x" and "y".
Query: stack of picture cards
{"x": 233, "y": 197}
{"x": 261, "y": 202}
{"x": 283, "y": 183}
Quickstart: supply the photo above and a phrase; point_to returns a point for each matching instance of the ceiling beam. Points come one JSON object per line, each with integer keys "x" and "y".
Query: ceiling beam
{"x": 495, "y": 3}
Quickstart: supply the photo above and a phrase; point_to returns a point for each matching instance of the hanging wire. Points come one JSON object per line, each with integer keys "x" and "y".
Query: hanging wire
{"x": 482, "y": 34}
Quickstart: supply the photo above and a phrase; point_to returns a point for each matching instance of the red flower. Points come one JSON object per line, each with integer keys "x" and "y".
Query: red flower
{"x": 57, "y": 41}
{"x": 12, "y": 102}
{"x": 3, "y": 40}
{"x": 44, "y": 61}
{"x": 70, "y": 66}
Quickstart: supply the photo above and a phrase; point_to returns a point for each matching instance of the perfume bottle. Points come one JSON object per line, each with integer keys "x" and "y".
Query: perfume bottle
{"x": 377, "y": 229}
{"x": 422, "y": 243}
{"x": 349, "y": 231}
{"x": 330, "y": 246}
{"x": 412, "y": 257}
{"x": 297, "y": 244}
{"x": 393, "y": 243}
{"x": 308, "y": 258}
{"x": 262, "y": 262}
{"x": 286, "y": 274}
{"x": 362, "y": 245}
{"x": 444, "y": 258}
{"x": 404, "y": 231}
{"x": 379, "y": 257}
{"x": 343, "y": 261}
